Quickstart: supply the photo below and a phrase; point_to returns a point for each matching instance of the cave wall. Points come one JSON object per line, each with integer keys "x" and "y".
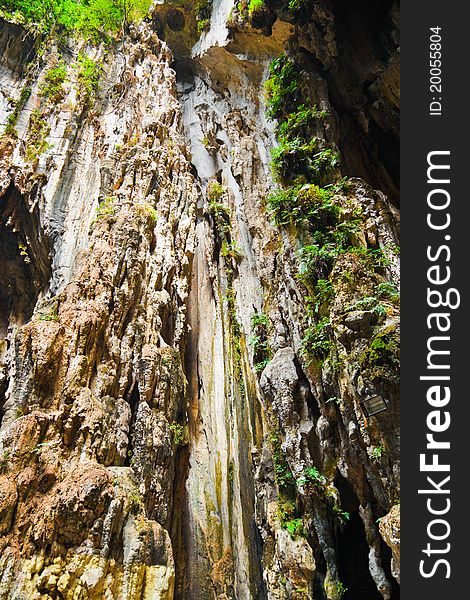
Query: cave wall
{"x": 149, "y": 447}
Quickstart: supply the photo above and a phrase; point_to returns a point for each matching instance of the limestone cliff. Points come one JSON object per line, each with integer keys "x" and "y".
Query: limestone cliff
{"x": 190, "y": 323}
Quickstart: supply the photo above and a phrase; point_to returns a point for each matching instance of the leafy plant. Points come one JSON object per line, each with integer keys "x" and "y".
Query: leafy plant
{"x": 316, "y": 342}
{"x": 203, "y": 10}
{"x": 90, "y": 19}
{"x": 18, "y": 106}
{"x": 147, "y": 210}
{"x": 178, "y": 434}
{"x": 38, "y": 131}
{"x": 299, "y": 123}
{"x": 341, "y": 589}
{"x": 106, "y": 208}
{"x": 215, "y": 191}
{"x": 52, "y": 315}
{"x": 231, "y": 250}
{"x": 53, "y": 85}
{"x": 342, "y": 515}
{"x": 282, "y": 88}
{"x": 383, "y": 352}
{"x": 282, "y": 472}
{"x": 376, "y": 452}
{"x": 88, "y": 76}
{"x": 288, "y": 519}
{"x": 311, "y": 475}
{"x": 387, "y": 290}
{"x": 219, "y": 212}
{"x": 258, "y": 340}
{"x": 255, "y": 5}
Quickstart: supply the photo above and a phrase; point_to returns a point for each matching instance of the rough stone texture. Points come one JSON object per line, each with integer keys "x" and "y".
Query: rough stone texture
{"x": 140, "y": 449}
{"x": 389, "y": 528}
{"x": 94, "y": 378}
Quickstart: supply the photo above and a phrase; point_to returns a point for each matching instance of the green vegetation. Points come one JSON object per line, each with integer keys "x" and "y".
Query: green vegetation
{"x": 377, "y": 452}
{"x": 282, "y": 472}
{"x": 289, "y": 519}
{"x": 296, "y": 159}
{"x": 282, "y": 89}
{"x": 383, "y": 355}
{"x": 258, "y": 340}
{"x": 4, "y": 461}
{"x": 387, "y": 291}
{"x": 255, "y": 5}
{"x": 88, "y": 76}
{"x": 53, "y": 85}
{"x": 91, "y": 19}
{"x": 38, "y": 131}
{"x": 312, "y": 475}
{"x": 231, "y": 250}
{"x": 105, "y": 208}
{"x": 18, "y": 106}
{"x": 215, "y": 191}
{"x": 341, "y": 589}
{"x": 147, "y": 211}
{"x": 306, "y": 202}
{"x": 342, "y": 515}
{"x": 52, "y": 315}
{"x": 178, "y": 434}
{"x": 316, "y": 342}
{"x": 203, "y": 10}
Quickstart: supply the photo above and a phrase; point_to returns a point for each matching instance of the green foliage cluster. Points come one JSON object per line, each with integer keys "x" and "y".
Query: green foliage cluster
{"x": 231, "y": 250}
{"x": 306, "y": 171}
{"x": 316, "y": 342}
{"x": 147, "y": 211}
{"x": 215, "y": 191}
{"x": 4, "y": 461}
{"x": 341, "y": 589}
{"x": 105, "y": 208}
{"x": 282, "y": 472}
{"x": 311, "y": 475}
{"x": 387, "y": 291}
{"x": 343, "y": 516}
{"x": 296, "y": 159}
{"x": 377, "y": 451}
{"x": 254, "y": 6}
{"x": 203, "y": 10}
{"x": 90, "y": 19}
{"x": 17, "y": 108}
{"x": 52, "y": 315}
{"x": 53, "y": 85}
{"x": 88, "y": 76}
{"x": 36, "y": 142}
{"x": 178, "y": 434}
{"x": 383, "y": 355}
{"x": 308, "y": 203}
{"x": 258, "y": 340}
{"x": 323, "y": 294}
{"x": 289, "y": 519}
{"x": 282, "y": 89}
{"x": 371, "y": 303}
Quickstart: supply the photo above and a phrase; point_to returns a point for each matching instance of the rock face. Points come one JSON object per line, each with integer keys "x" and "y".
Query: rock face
{"x": 166, "y": 431}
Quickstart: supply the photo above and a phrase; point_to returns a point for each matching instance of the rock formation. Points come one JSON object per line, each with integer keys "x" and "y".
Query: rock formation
{"x": 183, "y": 364}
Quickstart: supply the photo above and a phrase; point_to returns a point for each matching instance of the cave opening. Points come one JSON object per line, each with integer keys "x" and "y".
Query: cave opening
{"x": 25, "y": 270}
{"x": 368, "y": 114}
{"x": 353, "y": 551}
{"x": 353, "y": 561}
